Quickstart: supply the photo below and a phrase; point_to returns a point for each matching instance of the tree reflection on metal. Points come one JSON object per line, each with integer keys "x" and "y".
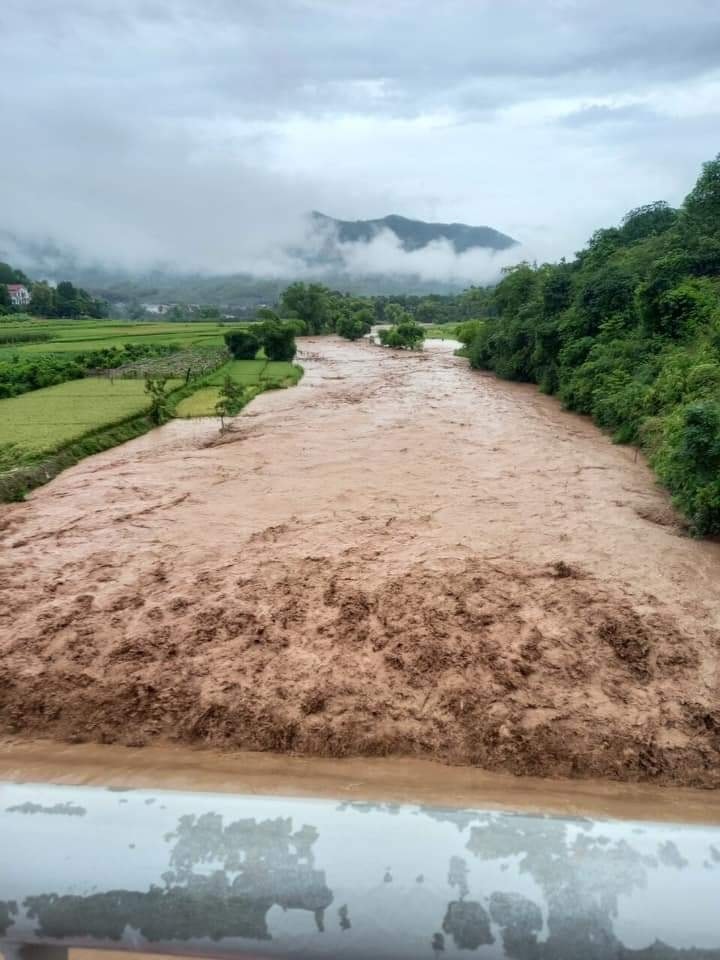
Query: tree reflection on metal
{"x": 201, "y": 873}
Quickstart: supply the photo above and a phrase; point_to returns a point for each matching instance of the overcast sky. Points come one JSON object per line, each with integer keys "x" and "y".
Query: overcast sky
{"x": 197, "y": 132}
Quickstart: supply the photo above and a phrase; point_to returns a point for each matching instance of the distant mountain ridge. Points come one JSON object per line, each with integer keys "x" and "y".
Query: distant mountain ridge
{"x": 415, "y": 234}
{"x": 332, "y": 252}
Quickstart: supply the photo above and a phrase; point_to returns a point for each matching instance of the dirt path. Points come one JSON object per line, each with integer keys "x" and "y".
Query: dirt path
{"x": 397, "y": 556}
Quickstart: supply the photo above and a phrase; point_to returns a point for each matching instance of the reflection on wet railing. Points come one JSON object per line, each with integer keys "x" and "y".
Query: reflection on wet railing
{"x": 271, "y": 876}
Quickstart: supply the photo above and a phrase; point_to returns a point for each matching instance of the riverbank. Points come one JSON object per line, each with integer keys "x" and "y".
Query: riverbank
{"x": 403, "y": 558}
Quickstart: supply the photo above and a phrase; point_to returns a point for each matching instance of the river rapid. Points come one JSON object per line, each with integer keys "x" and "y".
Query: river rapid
{"x": 400, "y": 556}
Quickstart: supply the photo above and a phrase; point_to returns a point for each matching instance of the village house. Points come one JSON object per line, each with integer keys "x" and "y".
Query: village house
{"x": 19, "y": 294}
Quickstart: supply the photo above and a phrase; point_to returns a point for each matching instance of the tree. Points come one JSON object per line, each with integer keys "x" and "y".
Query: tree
{"x": 395, "y": 313}
{"x": 311, "y": 303}
{"x": 629, "y": 333}
{"x": 468, "y": 331}
{"x": 72, "y": 301}
{"x": 5, "y": 302}
{"x": 242, "y": 344}
{"x": 702, "y": 204}
{"x": 646, "y": 221}
{"x": 9, "y": 274}
{"x": 230, "y": 400}
{"x": 265, "y": 313}
{"x": 279, "y": 341}
{"x": 159, "y": 411}
{"x": 42, "y": 300}
{"x": 177, "y": 313}
{"x": 353, "y": 326}
{"x": 66, "y": 300}
{"x": 678, "y": 312}
{"x": 404, "y": 336}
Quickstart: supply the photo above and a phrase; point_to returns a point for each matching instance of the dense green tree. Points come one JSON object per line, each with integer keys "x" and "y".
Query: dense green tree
{"x": 42, "y": 300}
{"x": 243, "y": 344}
{"x": 356, "y": 322}
{"x": 702, "y": 205}
{"x": 66, "y": 300}
{"x": 310, "y": 302}
{"x": 642, "y": 222}
{"x": 629, "y": 333}
{"x": 406, "y": 335}
{"x": 395, "y": 313}
{"x": 178, "y": 313}
{"x": 9, "y": 274}
{"x": 278, "y": 340}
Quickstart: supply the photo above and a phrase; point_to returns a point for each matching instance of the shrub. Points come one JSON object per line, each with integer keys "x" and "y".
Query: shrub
{"x": 354, "y": 326}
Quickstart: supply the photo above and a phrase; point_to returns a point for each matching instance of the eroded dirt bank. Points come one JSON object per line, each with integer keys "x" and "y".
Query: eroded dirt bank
{"x": 398, "y": 556}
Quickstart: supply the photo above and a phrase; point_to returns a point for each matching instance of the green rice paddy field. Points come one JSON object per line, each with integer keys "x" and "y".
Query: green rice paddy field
{"x": 68, "y": 336}
{"x": 44, "y": 421}
{"x": 246, "y": 373}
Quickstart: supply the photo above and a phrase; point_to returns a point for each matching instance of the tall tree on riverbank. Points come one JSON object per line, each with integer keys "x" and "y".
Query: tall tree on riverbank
{"x": 629, "y": 332}
{"x": 309, "y": 302}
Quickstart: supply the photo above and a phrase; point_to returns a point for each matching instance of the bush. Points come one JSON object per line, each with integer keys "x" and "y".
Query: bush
{"x": 242, "y": 344}
{"x": 354, "y": 326}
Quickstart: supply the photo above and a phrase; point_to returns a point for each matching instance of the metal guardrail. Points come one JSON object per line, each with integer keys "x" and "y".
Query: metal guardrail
{"x": 251, "y": 876}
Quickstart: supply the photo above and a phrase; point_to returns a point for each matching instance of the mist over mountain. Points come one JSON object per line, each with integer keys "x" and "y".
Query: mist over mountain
{"x": 386, "y": 255}
{"x": 415, "y": 234}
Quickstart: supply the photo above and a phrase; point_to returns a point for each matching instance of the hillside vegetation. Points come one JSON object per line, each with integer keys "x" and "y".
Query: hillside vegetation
{"x": 629, "y": 332}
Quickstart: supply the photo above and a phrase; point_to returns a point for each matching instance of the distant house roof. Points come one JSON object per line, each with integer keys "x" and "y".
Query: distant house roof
{"x": 16, "y": 287}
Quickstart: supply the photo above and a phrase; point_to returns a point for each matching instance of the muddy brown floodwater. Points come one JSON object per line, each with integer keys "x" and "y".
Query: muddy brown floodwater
{"x": 399, "y": 556}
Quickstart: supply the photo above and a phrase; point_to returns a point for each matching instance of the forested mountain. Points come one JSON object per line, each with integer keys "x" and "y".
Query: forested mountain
{"x": 415, "y": 234}
{"x": 629, "y": 332}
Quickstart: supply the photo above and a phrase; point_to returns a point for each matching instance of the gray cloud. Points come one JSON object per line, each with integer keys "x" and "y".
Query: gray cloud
{"x": 197, "y": 134}
{"x": 596, "y": 114}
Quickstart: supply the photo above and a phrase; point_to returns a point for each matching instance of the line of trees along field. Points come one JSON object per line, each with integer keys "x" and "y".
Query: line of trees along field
{"x": 64, "y": 300}
{"x": 629, "y": 333}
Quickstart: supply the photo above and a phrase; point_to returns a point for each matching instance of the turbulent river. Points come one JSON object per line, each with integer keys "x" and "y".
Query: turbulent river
{"x": 400, "y": 556}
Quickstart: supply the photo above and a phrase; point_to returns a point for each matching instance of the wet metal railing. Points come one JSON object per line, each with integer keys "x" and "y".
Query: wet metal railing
{"x": 210, "y": 875}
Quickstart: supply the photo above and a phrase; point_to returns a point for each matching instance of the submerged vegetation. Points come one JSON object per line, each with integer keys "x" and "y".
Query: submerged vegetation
{"x": 629, "y": 333}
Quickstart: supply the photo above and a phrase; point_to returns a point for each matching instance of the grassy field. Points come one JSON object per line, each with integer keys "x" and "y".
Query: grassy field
{"x": 75, "y": 336}
{"x": 44, "y": 420}
{"x": 440, "y": 331}
{"x": 246, "y": 373}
